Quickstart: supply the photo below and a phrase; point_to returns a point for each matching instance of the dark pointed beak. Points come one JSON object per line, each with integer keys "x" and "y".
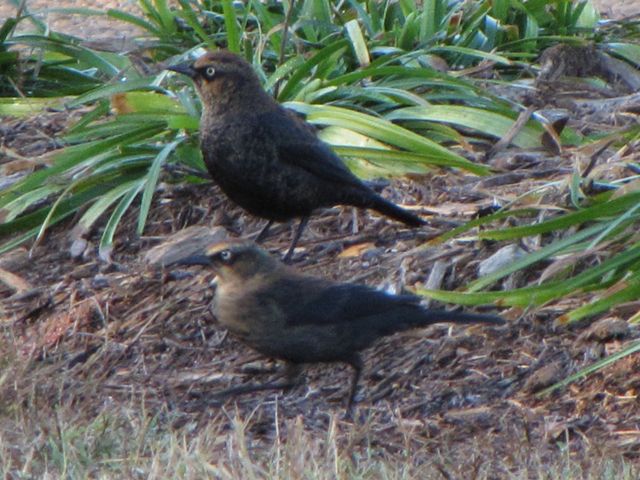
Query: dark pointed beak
{"x": 195, "y": 260}
{"x": 184, "y": 68}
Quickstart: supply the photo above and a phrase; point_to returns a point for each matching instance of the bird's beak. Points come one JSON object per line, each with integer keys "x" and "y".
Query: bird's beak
{"x": 196, "y": 260}
{"x": 184, "y": 68}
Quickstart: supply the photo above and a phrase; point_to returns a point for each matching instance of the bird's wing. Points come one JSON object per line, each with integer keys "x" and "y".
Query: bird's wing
{"x": 314, "y": 301}
{"x": 297, "y": 145}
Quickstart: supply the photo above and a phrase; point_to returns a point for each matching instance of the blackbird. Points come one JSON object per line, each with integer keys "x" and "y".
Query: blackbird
{"x": 303, "y": 319}
{"x": 264, "y": 157}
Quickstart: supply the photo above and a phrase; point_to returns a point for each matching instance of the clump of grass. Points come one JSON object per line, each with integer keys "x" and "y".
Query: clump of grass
{"x": 131, "y": 442}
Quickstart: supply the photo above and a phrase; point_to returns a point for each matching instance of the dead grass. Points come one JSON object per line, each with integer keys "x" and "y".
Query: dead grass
{"x": 129, "y": 441}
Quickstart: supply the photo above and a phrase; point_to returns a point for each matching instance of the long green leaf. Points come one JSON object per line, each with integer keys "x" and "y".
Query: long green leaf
{"x": 151, "y": 181}
{"x": 23, "y": 202}
{"x": 483, "y": 121}
{"x": 108, "y": 91}
{"x": 629, "y": 293}
{"x": 599, "y": 365}
{"x": 134, "y": 20}
{"x": 543, "y": 253}
{"x": 358, "y": 42}
{"x": 68, "y": 206}
{"x": 541, "y": 294}
{"x": 106, "y": 241}
{"x": 71, "y": 157}
{"x": 596, "y": 212}
{"x": 231, "y": 26}
{"x": 97, "y": 209}
{"x": 82, "y": 54}
{"x": 379, "y": 129}
{"x": 293, "y": 85}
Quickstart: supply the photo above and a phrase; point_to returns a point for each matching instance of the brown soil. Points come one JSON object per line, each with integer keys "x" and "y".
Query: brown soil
{"x": 93, "y": 27}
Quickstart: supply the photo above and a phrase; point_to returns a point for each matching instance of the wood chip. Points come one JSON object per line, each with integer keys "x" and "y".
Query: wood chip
{"x": 184, "y": 243}
{"x": 14, "y": 282}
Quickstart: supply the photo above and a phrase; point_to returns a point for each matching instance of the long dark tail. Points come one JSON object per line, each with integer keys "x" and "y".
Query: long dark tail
{"x": 443, "y": 316}
{"x": 414, "y": 316}
{"x": 389, "y": 314}
{"x": 391, "y": 210}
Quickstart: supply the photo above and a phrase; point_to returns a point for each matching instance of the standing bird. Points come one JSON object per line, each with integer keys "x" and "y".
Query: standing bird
{"x": 302, "y": 319}
{"x": 265, "y": 158}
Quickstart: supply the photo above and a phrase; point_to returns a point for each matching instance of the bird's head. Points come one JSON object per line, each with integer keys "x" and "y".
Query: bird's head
{"x": 223, "y": 79}
{"x": 235, "y": 261}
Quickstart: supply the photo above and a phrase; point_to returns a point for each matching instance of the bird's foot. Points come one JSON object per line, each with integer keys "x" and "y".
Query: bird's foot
{"x": 250, "y": 388}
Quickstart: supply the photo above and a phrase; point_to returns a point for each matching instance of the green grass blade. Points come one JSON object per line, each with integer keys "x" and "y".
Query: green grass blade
{"x": 291, "y": 65}
{"x": 537, "y": 256}
{"x": 293, "y": 85}
{"x": 474, "y": 53}
{"x": 151, "y": 180}
{"x": 626, "y": 294}
{"x": 191, "y": 18}
{"x": 484, "y": 121}
{"x": 25, "y": 107}
{"x": 378, "y": 128}
{"x": 391, "y": 157}
{"x": 21, "y": 203}
{"x": 106, "y": 241}
{"x": 628, "y": 51}
{"x": 65, "y": 208}
{"x": 596, "y": 212}
{"x": 108, "y": 91}
{"x": 18, "y": 240}
{"x": 591, "y": 278}
{"x": 72, "y": 156}
{"x": 599, "y": 365}
{"x": 231, "y": 26}
{"x": 166, "y": 17}
{"x": 82, "y": 54}
{"x": 133, "y": 20}
{"x": 95, "y": 211}
{"x": 358, "y": 42}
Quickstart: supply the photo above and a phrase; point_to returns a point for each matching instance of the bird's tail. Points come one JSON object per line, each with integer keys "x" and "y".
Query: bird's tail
{"x": 415, "y": 316}
{"x": 391, "y": 210}
{"x": 440, "y": 316}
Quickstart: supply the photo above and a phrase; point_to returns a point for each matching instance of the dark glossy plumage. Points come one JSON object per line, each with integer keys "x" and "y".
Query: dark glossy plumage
{"x": 265, "y": 158}
{"x": 303, "y": 319}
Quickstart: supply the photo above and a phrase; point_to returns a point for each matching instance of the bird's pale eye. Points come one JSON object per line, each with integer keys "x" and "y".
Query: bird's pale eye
{"x": 210, "y": 72}
{"x": 225, "y": 256}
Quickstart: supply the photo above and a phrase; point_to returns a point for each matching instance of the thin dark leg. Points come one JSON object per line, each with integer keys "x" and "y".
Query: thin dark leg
{"x": 356, "y": 363}
{"x": 291, "y": 375}
{"x": 296, "y": 237}
{"x": 264, "y": 232}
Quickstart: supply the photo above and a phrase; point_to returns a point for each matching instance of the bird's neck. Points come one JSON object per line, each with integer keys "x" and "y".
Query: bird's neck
{"x": 234, "y": 101}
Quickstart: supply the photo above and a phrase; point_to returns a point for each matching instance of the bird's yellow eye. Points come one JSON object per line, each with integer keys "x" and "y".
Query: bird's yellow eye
{"x": 210, "y": 72}
{"x": 225, "y": 256}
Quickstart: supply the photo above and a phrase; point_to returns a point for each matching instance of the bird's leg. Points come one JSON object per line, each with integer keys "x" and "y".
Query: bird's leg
{"x": 291, "y": 374}
{"x": 264, "y": 232}
{"x": 356, "y": 362}
{"x": 296, "y": 237}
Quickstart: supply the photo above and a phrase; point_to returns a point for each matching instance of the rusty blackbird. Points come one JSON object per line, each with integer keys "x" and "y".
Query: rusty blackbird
{"x": 303, "y": 319}
{"x": 264, "y": 157}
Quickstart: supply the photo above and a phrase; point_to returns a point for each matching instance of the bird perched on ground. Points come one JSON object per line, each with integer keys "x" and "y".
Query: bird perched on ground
{"x": 302, "y": 319}
{"x": 265, "y": 158}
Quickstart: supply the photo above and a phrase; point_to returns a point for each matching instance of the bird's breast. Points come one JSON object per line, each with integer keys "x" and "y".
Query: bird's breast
{"x": 242, "y": 313}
